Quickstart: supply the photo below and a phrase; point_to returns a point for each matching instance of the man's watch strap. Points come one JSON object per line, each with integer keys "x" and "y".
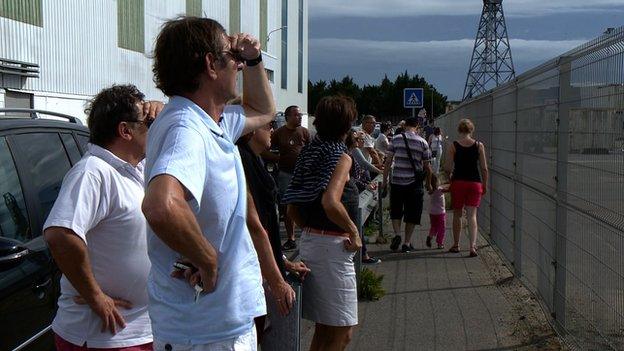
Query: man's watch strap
{"x": 253, "y": 62}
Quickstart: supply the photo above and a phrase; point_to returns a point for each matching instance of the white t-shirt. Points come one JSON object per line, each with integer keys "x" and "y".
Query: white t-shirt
{"x": 369, "y": 142}
{"x": 100, "y": 200}
{"x": 435, "y": 142}
{"x": 381, "y": 144}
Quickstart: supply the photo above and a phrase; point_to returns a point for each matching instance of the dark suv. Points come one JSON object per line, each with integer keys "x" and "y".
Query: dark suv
{"x": 35, "y": 154}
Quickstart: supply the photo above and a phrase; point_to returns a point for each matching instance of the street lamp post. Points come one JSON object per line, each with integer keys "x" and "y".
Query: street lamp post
{"x": 269, "y": 35}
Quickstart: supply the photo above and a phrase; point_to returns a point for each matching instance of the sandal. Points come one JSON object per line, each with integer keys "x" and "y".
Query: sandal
{"x": 454, "y": 249}
{"x": 473, "y": 252}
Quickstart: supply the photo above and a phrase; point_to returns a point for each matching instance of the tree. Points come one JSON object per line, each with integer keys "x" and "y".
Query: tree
{"x": 315, "y": 92}
{"x": 384, "y": 101}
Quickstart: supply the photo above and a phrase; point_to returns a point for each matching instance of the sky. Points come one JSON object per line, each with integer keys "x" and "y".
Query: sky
{"x": 368, "y": 39}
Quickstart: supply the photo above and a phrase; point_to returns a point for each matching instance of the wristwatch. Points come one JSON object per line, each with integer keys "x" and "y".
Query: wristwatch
{"x": 253, "y": 62}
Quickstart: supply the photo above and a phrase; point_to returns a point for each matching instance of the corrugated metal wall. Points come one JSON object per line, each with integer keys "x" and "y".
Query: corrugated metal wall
{"x": 77, "y": 46}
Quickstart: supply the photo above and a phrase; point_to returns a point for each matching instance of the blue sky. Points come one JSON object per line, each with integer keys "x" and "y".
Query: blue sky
{"x": 369, "y": 38}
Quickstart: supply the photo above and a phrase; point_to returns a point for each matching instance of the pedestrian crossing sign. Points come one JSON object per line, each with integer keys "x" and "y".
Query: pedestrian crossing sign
{"x": 413, "y": 97}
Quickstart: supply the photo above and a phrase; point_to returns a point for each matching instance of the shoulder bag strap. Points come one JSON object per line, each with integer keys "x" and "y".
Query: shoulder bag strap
{"x": 409, "y": 155}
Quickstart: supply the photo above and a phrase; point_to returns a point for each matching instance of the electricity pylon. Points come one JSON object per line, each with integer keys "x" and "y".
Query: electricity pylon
{"x": 491, "y": 63}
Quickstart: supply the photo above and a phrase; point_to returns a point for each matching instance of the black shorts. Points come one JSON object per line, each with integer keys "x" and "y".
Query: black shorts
{"x": 406, "y": 202}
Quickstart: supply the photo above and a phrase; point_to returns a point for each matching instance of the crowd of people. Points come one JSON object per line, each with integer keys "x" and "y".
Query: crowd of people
{"x": 167, "y": 231}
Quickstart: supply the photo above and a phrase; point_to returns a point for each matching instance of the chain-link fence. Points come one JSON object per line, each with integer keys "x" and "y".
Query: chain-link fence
{"x": 555, "y": 205}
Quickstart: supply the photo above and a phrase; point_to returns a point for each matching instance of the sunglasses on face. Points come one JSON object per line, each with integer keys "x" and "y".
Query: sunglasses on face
{"x": 145, "y": 121}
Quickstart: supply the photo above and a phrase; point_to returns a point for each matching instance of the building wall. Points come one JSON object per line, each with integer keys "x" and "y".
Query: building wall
{"x": 77, "y": 49}
{"x": 290, "y": 96}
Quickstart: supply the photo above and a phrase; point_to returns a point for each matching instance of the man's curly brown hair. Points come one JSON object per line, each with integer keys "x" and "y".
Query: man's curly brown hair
{"x": 110, "y": 107}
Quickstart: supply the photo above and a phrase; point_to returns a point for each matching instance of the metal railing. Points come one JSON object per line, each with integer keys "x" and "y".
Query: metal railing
{"x": 555, "y": 205}
{"x": 36, "y": 114}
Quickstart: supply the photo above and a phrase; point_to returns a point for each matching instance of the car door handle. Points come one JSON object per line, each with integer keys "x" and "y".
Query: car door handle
{"x": 43, "y": 285}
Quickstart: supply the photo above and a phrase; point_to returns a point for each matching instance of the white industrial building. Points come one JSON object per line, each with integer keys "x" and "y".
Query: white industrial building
{"x": 56, "y": 54}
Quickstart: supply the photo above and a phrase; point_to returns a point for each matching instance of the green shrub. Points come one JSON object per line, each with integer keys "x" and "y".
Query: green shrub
{"x": 371, "y": 229}
{"x": 370, "y": 285}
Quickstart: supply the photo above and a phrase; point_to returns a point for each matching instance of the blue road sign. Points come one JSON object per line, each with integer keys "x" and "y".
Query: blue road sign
{"x": 413, "y": 97}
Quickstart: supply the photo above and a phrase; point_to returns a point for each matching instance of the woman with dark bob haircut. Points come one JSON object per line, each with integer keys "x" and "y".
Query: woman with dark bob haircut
{"x": 323, "y": 200}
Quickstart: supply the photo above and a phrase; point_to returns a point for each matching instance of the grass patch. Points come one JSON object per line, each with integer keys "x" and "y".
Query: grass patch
{"x": 370, "y": 285}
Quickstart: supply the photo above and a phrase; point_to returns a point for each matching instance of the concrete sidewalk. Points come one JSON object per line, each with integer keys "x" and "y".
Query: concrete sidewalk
{"x": 437, "y": 300}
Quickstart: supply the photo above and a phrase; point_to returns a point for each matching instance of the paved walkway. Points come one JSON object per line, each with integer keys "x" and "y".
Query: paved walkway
{"x": 446, "y": 301}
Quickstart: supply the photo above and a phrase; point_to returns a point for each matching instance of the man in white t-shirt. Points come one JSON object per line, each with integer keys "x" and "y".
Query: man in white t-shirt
{"x": 381, "y": 143}
{"x": 96, "y": 231}
{"x": 370, "y": 154}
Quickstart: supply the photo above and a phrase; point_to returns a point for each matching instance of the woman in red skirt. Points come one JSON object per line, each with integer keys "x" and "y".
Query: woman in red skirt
{"x": 465, "y": 156}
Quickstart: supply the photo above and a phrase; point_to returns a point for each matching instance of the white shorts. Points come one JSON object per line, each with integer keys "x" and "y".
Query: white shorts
{"x": 245, "y": 342}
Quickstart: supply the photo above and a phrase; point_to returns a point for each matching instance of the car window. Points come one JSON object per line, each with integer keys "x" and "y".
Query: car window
{"x": 45, "y": 164}
{"x": 83, "y": 140}
{"x": 71, "y": 147}
{"x": 13, "y": 217}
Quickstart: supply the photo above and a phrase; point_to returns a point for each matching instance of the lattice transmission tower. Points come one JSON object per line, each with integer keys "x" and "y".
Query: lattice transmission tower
{"x": 491, "y": 63}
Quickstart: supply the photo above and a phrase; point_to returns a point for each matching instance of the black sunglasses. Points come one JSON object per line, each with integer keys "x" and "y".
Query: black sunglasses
{"x": 147, "y": 122}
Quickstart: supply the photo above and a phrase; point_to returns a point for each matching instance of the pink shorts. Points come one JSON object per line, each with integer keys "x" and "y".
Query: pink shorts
{"x": 464, "y": 193}
{"x": 64, "y": 345}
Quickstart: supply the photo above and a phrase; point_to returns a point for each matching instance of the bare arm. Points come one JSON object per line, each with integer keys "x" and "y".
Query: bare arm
{"x": 281, "y": 291}
{"x": 484, "y": 167}
{"x": 428, "y": 173}
{"x": 152, "y": 108}
{"x": 166, "y": 209}
{"x": 375, "y": 158}
{"x": 448, "y": 159}
{"x": 71, "y": 255}
{"x": 359, "y": 158}
{"x": 386, "y": 170}
{"x": 331, "y": 202}
{"x": 257, "y": 96}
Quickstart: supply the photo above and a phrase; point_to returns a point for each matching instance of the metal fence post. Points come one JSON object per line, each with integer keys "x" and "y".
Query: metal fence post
{"x": 490, "y": 160}
{"x": 517, "y": 181}
{"x": 563, "y": 141}
{"x": 357, "y": 260}
{"x": 380, "y": 211}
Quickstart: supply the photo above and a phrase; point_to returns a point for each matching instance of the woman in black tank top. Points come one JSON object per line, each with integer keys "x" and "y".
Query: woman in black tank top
{"x": 463, "y": 161}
